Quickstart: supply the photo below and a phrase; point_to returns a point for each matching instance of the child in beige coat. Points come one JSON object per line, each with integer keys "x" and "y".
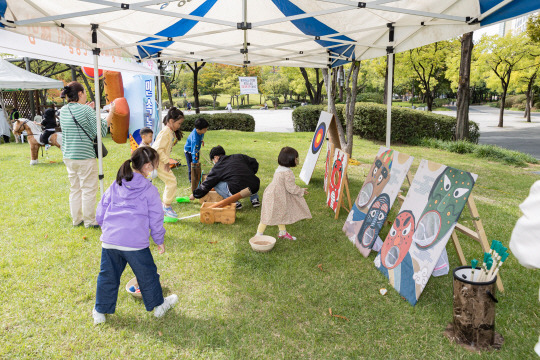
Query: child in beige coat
{"x": 283, "y": 200}
{"x": 166, "y": 139}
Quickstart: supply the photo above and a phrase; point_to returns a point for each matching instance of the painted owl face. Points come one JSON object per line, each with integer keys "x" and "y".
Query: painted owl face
{"x": 398, "y": 241}
{"x": 445, "y": 203}
{"x": 374, "y": 221}
{"x": 378, "y": 176}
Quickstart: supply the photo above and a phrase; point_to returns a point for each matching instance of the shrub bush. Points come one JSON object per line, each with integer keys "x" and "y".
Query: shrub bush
{"x": 440, "y": 102}
{"x": 489, "y": 152}
{"x": 513, "y": 101}
{"x": 408, "y": 126}
{"x": 202, "y": 102}
{"x": 227, "y": 121}
{"x": 370, "y": 97}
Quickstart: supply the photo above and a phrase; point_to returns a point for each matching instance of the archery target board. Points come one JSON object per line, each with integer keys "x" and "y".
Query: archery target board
{"x": 325, "y": 120}
{"x": 337, "y": 174}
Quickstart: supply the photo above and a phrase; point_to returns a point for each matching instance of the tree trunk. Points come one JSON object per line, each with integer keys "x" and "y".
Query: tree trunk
{"x": 503, "y": 97}
{"x": 501, "y": 110}
{"x": 330, "y": 81}
{"x": 342, "y": 77}
{"x": 386, "y": 79}
{"x": 73, "y": 73}
{"x": 318, "y": 93}
{"x": 428, "y": 98}
{"x": 350, "y": 104}
{"x": 195, "y": 69}
{"x": 463, "y": 93}
{"x": 88, "y": 87}
{"x": 529, "y": 102}
{"x": 309, "y": 88}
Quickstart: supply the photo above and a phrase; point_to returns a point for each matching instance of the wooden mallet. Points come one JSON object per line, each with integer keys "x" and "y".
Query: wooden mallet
{"x": 231, "y": 199}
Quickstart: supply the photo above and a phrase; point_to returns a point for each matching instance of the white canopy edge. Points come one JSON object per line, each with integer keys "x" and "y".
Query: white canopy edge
{"x": 14, "y": 78}
{"x": 30, "y": 46}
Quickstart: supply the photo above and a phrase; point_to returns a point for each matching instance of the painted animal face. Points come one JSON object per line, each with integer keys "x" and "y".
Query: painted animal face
{"x": 377, "y": 178}
{"x": 398, "y": 241}
{"x": 335, "y": 181}
{"x": 445, "y": 203}
{"x": 374, "y": 221}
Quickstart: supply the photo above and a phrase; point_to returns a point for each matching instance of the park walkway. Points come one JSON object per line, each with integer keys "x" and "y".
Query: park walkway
{"x": 517, "y": 134}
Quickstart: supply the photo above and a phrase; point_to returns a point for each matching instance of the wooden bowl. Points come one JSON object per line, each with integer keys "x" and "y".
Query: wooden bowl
{"x": 262, "y": 243}
{"x": 133, "y": 282}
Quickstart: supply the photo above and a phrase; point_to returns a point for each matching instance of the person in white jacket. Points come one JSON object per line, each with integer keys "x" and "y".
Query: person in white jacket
{"x": 525, "y": 241}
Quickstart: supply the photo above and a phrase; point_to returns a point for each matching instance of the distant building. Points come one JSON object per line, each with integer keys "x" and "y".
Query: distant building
{"x": 516, "y": 26}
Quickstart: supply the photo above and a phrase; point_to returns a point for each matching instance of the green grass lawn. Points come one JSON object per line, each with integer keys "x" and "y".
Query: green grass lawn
{"x": 235, "y": 303}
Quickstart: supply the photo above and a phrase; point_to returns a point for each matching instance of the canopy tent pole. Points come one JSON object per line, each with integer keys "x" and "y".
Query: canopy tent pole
{"x": 97, "y": 105}
{"x": 389, "y": 95}
{"x": 389, "y": 85}
{"x": 159, "y": 117}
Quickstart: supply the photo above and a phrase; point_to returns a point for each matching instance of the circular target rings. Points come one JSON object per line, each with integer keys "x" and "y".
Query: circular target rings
{"x": 318, "y": 138}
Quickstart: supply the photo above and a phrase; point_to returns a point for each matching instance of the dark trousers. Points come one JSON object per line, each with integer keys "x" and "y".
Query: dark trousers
{"x": 44, "y": 137}
{"x": 188, "y": 163}
{"x": 6, "y": 138}
{"x": 113, "y": 263}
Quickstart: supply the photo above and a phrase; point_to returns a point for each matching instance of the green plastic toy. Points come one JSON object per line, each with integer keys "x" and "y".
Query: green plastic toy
{"x": 182, "y": 199}
{"x": 168, "y": 219}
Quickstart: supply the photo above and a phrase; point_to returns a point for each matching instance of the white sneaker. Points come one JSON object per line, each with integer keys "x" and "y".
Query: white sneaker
{"x": 99, "y": 318}
{"x": 169, "y": 302}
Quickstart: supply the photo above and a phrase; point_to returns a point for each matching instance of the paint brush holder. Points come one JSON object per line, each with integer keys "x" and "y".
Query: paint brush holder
{"x": 473, "y": 324}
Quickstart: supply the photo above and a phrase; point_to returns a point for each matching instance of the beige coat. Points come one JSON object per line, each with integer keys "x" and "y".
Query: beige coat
{"x": 283, "y": 201}
{"x": 164, "y": 143}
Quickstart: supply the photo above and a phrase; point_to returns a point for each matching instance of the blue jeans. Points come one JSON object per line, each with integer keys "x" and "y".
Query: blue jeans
{"x": 188, "y": 164}
{"x": 222, "y": 188}
{"x": 113, "y": 263}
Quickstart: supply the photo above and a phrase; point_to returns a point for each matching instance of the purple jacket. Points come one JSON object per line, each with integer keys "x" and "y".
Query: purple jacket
{"x": 126, "y": 213}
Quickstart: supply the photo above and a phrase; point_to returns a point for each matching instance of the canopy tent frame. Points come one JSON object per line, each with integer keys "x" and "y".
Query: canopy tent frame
{"x": 333, "y": 49}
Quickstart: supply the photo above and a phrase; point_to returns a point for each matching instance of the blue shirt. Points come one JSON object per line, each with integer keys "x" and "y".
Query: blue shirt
{"x": 193, "y": 145}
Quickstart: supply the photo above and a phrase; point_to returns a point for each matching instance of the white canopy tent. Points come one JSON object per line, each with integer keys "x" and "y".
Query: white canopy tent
{"x": 14, "y": 78}
{"x": 306, "y": 33}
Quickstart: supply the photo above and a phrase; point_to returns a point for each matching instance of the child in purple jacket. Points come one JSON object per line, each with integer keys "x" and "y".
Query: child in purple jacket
{"x": 129, "y": 210}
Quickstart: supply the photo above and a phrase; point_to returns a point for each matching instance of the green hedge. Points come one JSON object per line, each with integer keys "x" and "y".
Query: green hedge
{"x": 235, "y": 121}
{"x": 408, "y": 126}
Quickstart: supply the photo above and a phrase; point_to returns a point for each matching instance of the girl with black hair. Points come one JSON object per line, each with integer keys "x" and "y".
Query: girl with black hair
{"x": 76, "y": 118}
{"x": 129, "y": 213}
{"x": 166, "y": 139}
{"x": 283, "y": 200}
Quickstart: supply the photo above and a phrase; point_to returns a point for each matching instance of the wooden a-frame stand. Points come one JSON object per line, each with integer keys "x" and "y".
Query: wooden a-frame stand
{"x": 335, "y": 143}
{"x": 478, "y": 234}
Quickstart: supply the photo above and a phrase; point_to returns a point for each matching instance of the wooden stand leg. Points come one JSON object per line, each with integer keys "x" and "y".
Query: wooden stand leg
{"x": 482, "y": 234}
{"x": 459, "y": 251}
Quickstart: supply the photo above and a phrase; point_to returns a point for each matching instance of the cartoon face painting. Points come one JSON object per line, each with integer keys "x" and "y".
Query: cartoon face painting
{"x": 398, "y": 241}
{"x": 334, "y": 185}
{"x": 374, "y": 221}
{"x": 378, "y": 176}
{"x": 445, "y": 203}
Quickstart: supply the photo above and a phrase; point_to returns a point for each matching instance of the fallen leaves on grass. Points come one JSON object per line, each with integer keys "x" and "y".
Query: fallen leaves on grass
{"x": 320, "y": 267}
{"x": 212, "y": 242}
{"x": 338, "y": 316}
{"x": 160, "y": 333}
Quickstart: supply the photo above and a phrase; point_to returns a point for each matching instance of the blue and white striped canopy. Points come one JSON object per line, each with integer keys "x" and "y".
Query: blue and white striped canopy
{"x": 307, "y": 33}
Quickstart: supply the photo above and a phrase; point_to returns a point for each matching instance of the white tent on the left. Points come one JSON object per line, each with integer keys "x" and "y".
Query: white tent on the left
{"x": 14, "y": 78}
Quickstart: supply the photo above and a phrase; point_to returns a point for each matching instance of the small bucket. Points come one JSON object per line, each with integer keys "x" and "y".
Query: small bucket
{"x": 474, "y": 311}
